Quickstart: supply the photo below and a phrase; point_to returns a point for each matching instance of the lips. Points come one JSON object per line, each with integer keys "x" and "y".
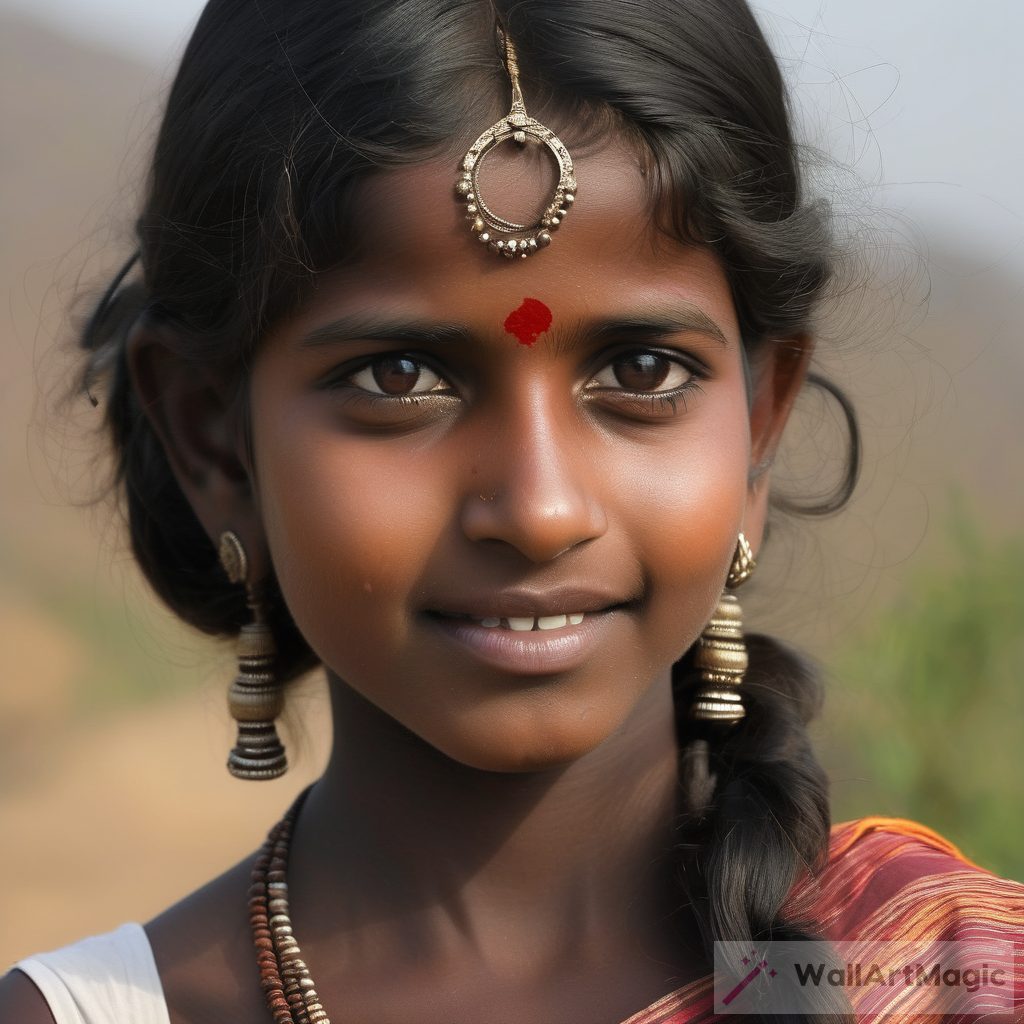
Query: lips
{"x": 528, "y": 633}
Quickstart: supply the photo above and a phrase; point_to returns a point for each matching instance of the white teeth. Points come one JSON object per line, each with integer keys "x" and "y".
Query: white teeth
{"x": 551, "y": 621}
{"x": 523, "y": 624}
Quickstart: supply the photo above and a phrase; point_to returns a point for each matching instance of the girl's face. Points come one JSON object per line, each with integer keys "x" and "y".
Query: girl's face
{"x": 501, "y": 496}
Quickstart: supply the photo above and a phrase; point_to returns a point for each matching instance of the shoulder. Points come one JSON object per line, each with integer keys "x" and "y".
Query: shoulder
{"x": 193, "y": 964}
{"x": 888, "y": 877}
{"x": 21, "y": 1002}
{"x": 104, "y": 979}
{"x": 203, "y": 950}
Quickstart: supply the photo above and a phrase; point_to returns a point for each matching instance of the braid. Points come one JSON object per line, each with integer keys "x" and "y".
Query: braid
{"x": 756, "y": 810}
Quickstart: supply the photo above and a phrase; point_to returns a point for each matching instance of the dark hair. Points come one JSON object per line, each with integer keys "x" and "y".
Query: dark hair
{"x": 282, "y": 108}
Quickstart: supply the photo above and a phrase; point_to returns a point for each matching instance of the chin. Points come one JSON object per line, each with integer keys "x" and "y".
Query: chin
{"x": 528, "y": 746}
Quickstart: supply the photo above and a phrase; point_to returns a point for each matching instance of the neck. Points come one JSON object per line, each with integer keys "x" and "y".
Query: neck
{"x": 571, "y": 850}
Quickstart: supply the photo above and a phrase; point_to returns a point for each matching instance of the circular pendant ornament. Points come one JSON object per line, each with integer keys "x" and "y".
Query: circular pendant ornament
{"x": 502, "y": 236}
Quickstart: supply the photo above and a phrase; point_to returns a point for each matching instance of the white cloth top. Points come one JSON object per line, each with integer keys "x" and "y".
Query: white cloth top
{"x": 106, "y": 979}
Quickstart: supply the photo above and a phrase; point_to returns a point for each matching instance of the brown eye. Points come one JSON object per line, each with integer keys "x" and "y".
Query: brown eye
{"x": 642, "y": 373}
{"x": 398, "y": 376}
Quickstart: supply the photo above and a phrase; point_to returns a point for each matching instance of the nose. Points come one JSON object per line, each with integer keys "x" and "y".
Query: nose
{"x": 534, "y": 490}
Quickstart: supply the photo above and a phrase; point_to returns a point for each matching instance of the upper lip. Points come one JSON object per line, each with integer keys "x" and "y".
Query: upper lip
{"x": 521, "y": 602}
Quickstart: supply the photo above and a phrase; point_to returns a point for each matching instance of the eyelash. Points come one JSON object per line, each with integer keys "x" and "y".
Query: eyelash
{"x": 656, "y": 401}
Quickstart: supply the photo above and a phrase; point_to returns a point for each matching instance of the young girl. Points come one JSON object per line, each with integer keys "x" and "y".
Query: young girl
{"x": 485, "y": 428}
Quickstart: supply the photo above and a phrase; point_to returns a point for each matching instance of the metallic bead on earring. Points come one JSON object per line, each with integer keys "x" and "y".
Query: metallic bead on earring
{"x": 721, "y": 652}
{"x": 255, "y": 698}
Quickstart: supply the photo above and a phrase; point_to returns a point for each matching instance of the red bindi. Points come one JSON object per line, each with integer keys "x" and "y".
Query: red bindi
{"x": 529, "y": 321}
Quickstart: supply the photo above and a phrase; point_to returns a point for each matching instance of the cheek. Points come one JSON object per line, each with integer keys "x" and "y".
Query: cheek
{"x": 688, "y": 520}
{"x": 348, "y": 535}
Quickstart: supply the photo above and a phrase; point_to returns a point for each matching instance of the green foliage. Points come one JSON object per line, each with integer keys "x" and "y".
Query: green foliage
{"x": 928, "y": 710}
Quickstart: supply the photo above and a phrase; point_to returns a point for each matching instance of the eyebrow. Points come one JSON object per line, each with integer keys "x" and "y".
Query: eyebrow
{"x": 377, "y": 328}
{"x": 681, "y": 319}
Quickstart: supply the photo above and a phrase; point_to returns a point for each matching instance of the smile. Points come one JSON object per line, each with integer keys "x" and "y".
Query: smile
{"x": 528, "y": 644}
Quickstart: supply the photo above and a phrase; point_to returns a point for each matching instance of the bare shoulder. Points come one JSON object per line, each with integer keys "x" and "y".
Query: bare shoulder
{"x": 204, "y": 954}
{"x": 21, "y": 1002}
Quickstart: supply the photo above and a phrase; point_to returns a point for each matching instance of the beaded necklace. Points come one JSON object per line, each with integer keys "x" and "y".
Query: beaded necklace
{"x": 291, "y": 994}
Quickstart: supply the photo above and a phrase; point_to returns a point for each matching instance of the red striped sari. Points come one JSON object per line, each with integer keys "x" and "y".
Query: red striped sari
{"x": 887, "y": 880}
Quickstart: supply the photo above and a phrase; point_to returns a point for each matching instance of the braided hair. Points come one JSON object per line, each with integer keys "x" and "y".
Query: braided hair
{"x": 282, "y": 108}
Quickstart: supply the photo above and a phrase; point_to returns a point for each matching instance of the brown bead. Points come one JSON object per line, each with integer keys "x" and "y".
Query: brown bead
{"x": 264, "y": 944}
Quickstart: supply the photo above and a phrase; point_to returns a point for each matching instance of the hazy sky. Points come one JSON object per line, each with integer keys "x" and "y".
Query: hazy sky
{"x": 924, "y": 96}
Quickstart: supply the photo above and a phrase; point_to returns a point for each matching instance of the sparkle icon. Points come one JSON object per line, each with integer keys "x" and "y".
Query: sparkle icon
{"x": 758, "y": 968}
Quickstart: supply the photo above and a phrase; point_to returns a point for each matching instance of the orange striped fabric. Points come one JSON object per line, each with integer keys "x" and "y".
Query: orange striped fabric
{"x": 889, "y": 880}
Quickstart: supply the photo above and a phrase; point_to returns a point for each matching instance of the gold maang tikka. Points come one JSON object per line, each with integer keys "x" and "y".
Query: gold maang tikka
{"x": 500, "y": 235}
{"x": 721, "y": 653}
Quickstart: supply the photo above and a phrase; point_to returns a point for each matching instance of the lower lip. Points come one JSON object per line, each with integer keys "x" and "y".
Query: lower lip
{"x": 534, "y": 652}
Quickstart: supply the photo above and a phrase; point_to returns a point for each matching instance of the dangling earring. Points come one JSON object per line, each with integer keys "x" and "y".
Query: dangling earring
{"x": 255, "y": 698}
{"x": 721, "y": 652}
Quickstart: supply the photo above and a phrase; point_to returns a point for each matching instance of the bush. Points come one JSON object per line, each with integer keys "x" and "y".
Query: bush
{"x": 928, "y": 704}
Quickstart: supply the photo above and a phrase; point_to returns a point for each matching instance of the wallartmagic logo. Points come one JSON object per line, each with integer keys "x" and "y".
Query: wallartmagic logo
{"x": 859, "y": 975}
{"x": 875, "y": 979}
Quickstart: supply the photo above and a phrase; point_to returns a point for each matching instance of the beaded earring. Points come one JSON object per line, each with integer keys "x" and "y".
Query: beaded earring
{"x": 721, "y": 652}
{"x": 255, "y": 697}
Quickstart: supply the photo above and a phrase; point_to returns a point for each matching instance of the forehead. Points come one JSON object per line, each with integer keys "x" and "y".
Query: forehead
{"x": 417, "y": 250}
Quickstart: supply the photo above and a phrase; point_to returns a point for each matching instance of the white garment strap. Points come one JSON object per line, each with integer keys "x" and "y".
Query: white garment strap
{"x": 106, "y": 979}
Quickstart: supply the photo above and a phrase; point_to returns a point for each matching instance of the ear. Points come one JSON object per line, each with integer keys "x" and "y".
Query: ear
{"x": 779, "y": 370}
{"x": 202, "y": 431}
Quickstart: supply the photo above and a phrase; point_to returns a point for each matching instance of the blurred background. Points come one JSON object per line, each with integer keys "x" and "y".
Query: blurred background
{"x": 114, "y": 801}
